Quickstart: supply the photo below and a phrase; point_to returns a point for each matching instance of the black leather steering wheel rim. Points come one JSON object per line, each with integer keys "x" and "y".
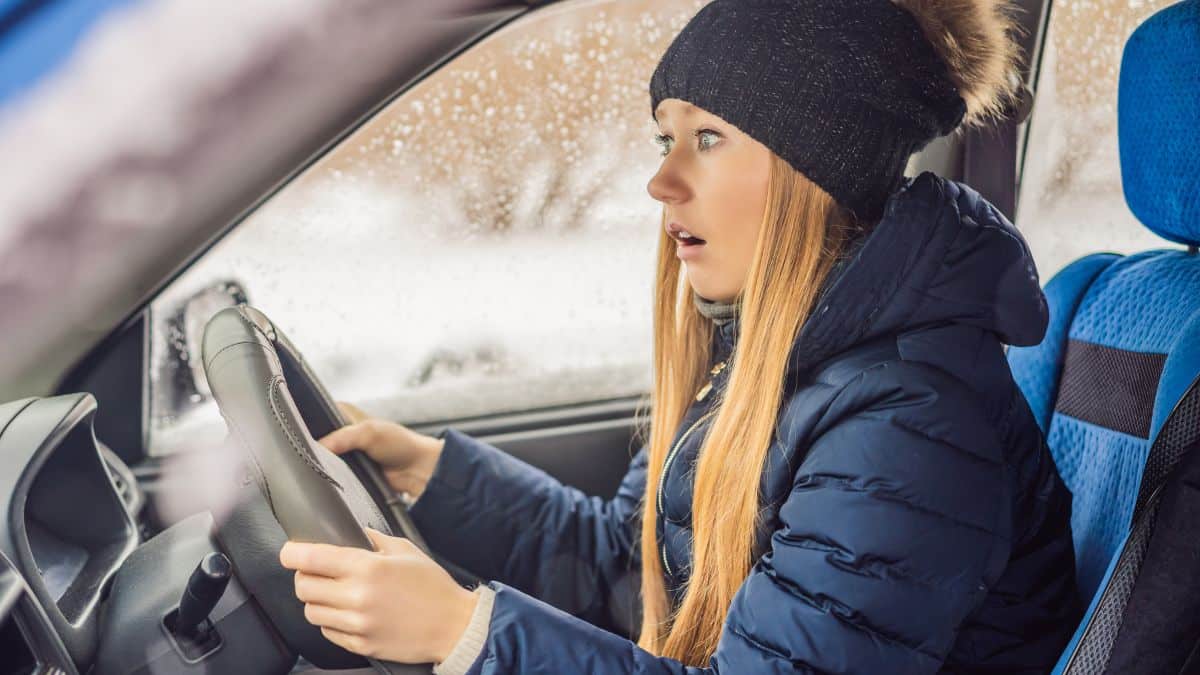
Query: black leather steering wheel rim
{"x": 275, "y": 408}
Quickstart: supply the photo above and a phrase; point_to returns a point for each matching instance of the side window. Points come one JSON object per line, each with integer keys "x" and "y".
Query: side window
{"x": 1071, "y": 202}
{"x": 484, "y": 244}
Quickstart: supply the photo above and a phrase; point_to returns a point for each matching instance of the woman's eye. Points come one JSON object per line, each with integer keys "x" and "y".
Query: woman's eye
{"x": 664, "y": 142}
{"x": 708, "y": 138}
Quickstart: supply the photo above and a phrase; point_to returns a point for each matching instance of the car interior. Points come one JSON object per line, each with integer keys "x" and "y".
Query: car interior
{"x": 96, "y": 577}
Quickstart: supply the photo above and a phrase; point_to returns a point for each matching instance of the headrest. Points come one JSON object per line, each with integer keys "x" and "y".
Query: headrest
{"x": 1158, "y": 118}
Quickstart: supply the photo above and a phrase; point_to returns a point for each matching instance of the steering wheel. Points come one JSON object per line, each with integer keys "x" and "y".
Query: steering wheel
{"x": 296, "y": 488}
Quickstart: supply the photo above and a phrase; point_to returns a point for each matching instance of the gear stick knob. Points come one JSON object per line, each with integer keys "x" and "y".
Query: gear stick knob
{"x": 204, "y": 588}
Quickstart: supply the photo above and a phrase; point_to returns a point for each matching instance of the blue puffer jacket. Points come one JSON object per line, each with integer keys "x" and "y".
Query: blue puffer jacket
{"x": 914, "y": 520}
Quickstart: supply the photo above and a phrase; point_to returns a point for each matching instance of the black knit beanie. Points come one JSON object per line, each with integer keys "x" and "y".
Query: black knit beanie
{"x": 843, "y": 90}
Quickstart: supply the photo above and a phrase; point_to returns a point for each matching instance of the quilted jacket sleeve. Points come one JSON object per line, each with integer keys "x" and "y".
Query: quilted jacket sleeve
{"x": 896, "y": 525}
{"x": 505, "y": 520}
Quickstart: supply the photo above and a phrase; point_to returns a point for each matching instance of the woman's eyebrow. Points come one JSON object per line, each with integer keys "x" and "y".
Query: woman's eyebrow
{"x": 687, "y": 110}
{"x": 697, "y": 122}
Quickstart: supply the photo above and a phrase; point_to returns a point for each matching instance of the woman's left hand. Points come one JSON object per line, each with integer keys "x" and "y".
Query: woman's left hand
{"x": 393, "y": 604}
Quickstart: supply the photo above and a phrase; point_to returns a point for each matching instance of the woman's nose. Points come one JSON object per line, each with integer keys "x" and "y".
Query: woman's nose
{"x": 666, "y": 186}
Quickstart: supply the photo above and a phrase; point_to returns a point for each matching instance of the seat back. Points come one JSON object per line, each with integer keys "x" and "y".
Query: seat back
{"x": 1094, "y": 384}
{"x": 1123, "y": 342}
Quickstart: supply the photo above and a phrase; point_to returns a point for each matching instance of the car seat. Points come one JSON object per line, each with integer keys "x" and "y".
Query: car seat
{"x": 1123, "y": 343}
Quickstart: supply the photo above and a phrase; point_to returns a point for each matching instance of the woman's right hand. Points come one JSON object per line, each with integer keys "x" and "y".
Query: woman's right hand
{"x": 406, "y": 457}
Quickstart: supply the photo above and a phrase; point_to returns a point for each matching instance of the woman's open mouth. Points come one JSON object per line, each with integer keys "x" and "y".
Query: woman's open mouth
{"x": 682, "y": 236}
{"x": 689, "y": 245}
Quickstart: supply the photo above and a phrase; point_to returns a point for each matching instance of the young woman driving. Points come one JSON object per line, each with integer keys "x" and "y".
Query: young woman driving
{"x": 840, "y": 474}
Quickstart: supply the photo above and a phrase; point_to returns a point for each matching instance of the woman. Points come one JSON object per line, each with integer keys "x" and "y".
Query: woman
{"x": 841, "y": 475}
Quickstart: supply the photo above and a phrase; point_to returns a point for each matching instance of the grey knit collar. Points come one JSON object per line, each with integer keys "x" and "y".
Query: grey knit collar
{"x": 719, "y": 312}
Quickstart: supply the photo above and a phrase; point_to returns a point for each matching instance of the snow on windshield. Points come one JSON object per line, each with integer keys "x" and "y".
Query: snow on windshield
{"x": 484, "y": 244}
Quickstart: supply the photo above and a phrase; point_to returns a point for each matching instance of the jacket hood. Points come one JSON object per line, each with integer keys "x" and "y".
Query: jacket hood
{"x": 941, "y": 254}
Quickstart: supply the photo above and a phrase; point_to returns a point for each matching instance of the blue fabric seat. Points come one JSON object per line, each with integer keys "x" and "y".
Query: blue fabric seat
{"x": 1124, "y": 337}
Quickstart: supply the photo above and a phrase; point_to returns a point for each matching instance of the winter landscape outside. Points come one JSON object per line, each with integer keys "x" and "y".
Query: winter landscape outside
{"x": 486, "y": 243}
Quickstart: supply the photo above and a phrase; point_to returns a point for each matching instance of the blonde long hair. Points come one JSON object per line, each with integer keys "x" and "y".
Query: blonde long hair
{"x": 802, "y": 233}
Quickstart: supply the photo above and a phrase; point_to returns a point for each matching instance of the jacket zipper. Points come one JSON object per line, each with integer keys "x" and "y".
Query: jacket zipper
{"x": 700, "y": 395}
{"x": 662, "y": 478}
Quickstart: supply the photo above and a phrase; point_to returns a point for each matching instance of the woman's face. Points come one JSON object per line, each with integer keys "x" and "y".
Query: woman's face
{"x": 713, "y": 185}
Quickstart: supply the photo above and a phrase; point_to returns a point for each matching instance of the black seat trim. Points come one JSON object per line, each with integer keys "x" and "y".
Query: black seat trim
{"x": 1110, "y": 387}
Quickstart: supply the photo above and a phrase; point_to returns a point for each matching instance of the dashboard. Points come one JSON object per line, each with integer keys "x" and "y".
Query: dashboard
{"x": 65, "y": 528}
{"x": 81, "y": 590}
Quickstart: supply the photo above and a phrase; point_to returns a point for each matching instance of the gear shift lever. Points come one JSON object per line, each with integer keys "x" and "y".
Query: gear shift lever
{"x": 204, "y": 588}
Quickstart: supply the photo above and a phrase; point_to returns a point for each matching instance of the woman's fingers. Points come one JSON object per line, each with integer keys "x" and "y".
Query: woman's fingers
{"x": 343, "y": 621}
{"x": 355, "y": 643}
{"x": 396, "y": 604}
{"x": 352, "y": 412}
{"x": 352, "y": 437}
{"x": 321, "y": 559}
{"x": 322, "y": 590}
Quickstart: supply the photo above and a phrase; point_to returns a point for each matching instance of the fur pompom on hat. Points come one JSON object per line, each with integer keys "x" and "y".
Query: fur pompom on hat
{"x": 973, "y": 38}
{"x": 845, "y": 90}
